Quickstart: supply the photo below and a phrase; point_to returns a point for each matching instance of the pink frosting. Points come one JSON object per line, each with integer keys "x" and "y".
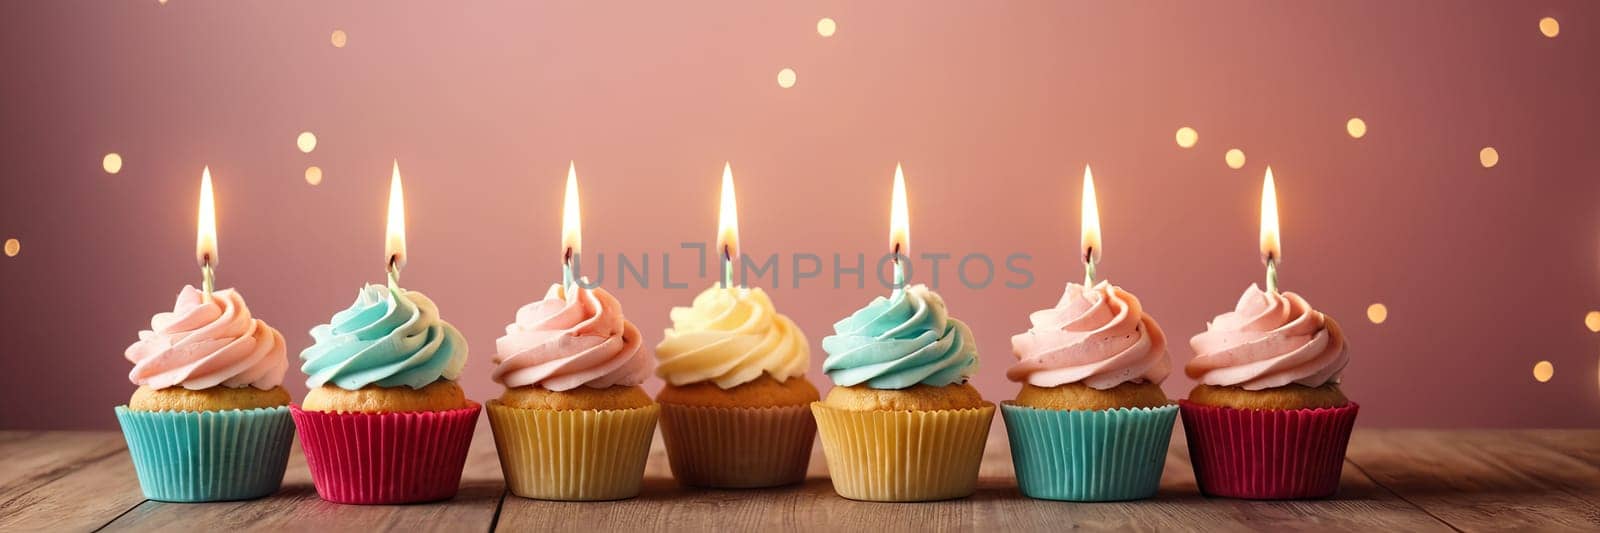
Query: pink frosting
{"x": 1098, "y": 336}
{"x": 200, "y": 345}
{"x": 1269, "y": 340}
{"x": 560, "y": 343}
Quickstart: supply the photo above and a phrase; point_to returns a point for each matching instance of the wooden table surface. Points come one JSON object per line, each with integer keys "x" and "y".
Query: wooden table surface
{"x": 1394, "y": 480}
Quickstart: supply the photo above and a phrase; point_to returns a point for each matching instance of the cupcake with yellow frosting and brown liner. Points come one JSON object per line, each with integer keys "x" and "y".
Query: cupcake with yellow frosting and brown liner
{"x": 385, "y": 421}
{"x": 735, "y": 412}
{"x": 902, "y": 424}
{"x": 210, "y": 419}
{"x": 1267, "y": 420}
{"x": 573, "y": 424}
{"x": 1091, "y": 422}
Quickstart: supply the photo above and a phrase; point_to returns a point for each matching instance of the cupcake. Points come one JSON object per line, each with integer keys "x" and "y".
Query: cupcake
{"x": 384, "y": 420}
{"x": 1267, "y": 420}
{"x": 1091, "y": 422}
{"x": 210, "y": 420}
{"x": 735, "y": 412}
{"x": 573, "y": 423}
{"x": 901, "y": 423}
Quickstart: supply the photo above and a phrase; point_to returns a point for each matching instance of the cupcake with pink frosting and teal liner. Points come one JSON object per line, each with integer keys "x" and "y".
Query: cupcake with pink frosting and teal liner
{"x": 210, "y": 420}
{"x": 1091, "y": 422}
{"x": 573, "y": 424}
{"x": 1268, "y": 420}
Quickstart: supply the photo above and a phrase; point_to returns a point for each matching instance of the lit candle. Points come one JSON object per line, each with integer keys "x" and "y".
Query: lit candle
{"x": 205, "y": 245}
{"x": 728, "y": 227}
{"x": 1271, "y": 244}
{"x": 395, "y": 243}
{"x": 899, "y": 228}
{"x": 571, "y": 229}
{"x": 1090, "y": 242}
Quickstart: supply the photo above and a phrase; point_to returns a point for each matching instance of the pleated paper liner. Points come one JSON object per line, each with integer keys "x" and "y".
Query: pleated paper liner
{"x": 903, "y": 456}
{"x": 1089, "y": 456}
{"x": 1266, "y": 454}
{"x": 738, "y": 447}
{"x": 208, "y": 456}
{"x": 573, "y": 455}
{"x": 386, "y": 458}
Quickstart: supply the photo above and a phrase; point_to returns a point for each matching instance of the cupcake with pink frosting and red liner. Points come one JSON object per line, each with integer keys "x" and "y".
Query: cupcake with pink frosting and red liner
{"x": 1267, "y": 420}
{"x": 1091, "y": 422}
{"x": 210, "y": 420}
{"x": 573, "y": 424}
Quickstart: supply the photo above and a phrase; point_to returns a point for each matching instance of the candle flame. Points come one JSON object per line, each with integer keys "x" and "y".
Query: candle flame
{"x": 395, "y": 242}
{"x": 1090, "y": 242}
{"x": 1271, "y": 243}
{"x": 571, "y": 226}
{"x": 899, "y": 217}
{"x": 205, "y": 246}
{"x": 728, "y": 217}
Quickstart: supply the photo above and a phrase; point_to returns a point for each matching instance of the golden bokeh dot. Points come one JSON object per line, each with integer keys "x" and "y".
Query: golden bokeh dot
{"x": 1377, "y": 313}
{"x": 1488, "y": 157}
{"x": 307, "y": 141}
{"x": 786, "y": 78}
{"x": 1549, "y": 27}
{"x": 339, "y": 38}
{"x": 112, "y": 162}
{"x": 1543, "y": 371}
{"x": 1235, "y": 158}
{"x": 826, "y": 27}
{"x": 1356, "y": 127}
{"x": 1186, "y": 137}
{"x": 1592, "y": 321}
{"x": 313, "y": 175}
{"x": 13, "y": 247}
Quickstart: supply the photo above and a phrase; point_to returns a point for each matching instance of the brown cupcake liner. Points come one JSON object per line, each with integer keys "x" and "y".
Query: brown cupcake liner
{"x": 738, "y": 447}
{"x": 573, "y": 455}
{"x": 904, "y": 456}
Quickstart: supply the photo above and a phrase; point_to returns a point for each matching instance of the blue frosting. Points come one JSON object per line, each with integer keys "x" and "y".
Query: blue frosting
{"x": 389, "y": 338}
{"x": 897, "y": 342}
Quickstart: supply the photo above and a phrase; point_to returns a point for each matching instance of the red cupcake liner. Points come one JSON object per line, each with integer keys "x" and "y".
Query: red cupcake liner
{"x": 386, "y": 458}
{"x": 1267, "y": 454}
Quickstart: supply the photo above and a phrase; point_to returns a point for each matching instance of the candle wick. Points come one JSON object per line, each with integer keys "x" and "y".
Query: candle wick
{"x": 1272, "y": 274}
{"x": 394, "y": 272}
{"x": 568, "y": 256}
{"x": 727, "y": 266}
{"x": 1088, "y": 266}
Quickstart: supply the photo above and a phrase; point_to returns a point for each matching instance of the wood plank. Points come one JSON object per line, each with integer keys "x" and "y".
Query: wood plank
{"x": 1471, "y": 481}
{"x": 297, "y": 507}
{"x": 65, "y": 480}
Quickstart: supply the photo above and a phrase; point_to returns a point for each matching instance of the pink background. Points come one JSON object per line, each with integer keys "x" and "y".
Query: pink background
{"x": 993, "y": 107}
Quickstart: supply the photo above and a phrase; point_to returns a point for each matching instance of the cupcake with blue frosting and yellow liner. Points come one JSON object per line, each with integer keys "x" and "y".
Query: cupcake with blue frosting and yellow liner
{"x": 735, "y": 412}
{"x": 902, "y": 424}
{"x": 210, "y": 420}
{"x": 1091, "y": 422}
{"x": 573, "y": 424}
{"x": 385, "y": 421}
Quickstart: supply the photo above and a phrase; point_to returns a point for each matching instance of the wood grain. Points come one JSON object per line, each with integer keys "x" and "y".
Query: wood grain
{"x": 64, "y": 480}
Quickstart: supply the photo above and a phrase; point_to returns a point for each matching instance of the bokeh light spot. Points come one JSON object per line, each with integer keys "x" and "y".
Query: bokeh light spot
{"x": 307, "y": 141}
{"x": 786, "y": 78}
{"x": 1592, "y": 321}
{"x": 339, "y": 39}
{"x": 1186, "y": 137}
{"x": 1543, "y": 371}
{"x": 112, "y": 162}
{"x": 1488, "y": 157}
{"x": 1549, "y": 27}
{"x": 1377, "y": 313}
{"x": 1356, "y": 127}
{"x": 826, "y": 27}
{"x": 1235, "y": 158}
{"x": 313, "y": 175}
{"x": 13, "y": 247}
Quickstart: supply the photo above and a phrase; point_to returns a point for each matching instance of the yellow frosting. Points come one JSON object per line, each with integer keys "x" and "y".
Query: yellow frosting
{"x": 729, "y": 336}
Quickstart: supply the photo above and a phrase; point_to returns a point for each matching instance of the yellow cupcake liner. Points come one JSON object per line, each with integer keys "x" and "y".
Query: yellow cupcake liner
{"x": 573, "y": 455}
{"x": 903, "y": 456}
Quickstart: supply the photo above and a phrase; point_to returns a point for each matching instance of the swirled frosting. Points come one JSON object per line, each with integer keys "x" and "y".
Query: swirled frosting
{"x": 730, "y": 336}
{"x": 897, "y": 342}
{"x": 1098, "y": 336}
{"x": 1269, "y": 340}
{"x": 561, "y": 343}
{"x": 203, "y": 344}
{"x": 389, "y": 338}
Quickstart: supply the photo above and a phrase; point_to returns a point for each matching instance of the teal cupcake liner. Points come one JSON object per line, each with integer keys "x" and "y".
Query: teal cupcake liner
{"x": 208, "y": 456}
{"x": 1089, "y": 456}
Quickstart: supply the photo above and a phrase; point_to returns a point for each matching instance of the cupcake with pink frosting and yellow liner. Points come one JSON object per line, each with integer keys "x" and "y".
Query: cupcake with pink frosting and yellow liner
{"x": 573, "y": 424}
{"x": 210, "y": 420}
{"x": 735, "y": 411}
{"x": 1268, "y": 420}
{"x": 1091, "y": 422}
